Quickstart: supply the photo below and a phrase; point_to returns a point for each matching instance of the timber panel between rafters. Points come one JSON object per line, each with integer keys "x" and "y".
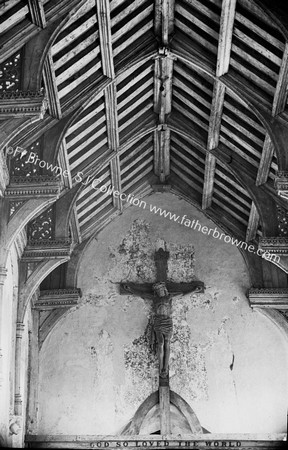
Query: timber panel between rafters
{"x": 135, "y": 91}
{"x": 86, "y": 139}
{"x": 131, "y": 29}
{"x": 76, "y": 51}
{"x": 257, "y": 50}
{"x": 92, "y": 204}
{"x": 198, "y": 22}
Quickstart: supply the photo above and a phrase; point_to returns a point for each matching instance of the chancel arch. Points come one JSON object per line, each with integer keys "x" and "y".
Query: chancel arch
{"x": 114, "y": 340}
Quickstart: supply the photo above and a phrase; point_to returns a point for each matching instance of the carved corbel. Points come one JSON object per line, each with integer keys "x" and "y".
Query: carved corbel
{"x": 276, "y": 298}
{"x": 25, "y": 188}
{"x": 24, "y": 199}
{"x": 51, "y": 305}
{"x": 275, "y": 250}
{"x": 23, "y": 104}
{"x": 273, "y": 303}
{"x": 281, "y": 184}
{"x": 39, "y": 250}
{"x": 32, "y": 273}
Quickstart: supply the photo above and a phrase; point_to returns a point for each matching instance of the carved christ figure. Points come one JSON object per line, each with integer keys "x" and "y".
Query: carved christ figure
{"x": 162, "y": 325}
{"x": 161, "y": 293}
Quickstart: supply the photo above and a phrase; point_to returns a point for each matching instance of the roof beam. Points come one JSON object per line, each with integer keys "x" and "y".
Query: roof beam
{"x": 51, "y": 87}
{"x": 162, "y": 106}
{"x": 252, "y": 224}
{"x": 37, "y": 12}
{"x": 164, "y": 19}
{"x": 265, "y": 162}
{"x": 104, "y": 23}
{"x": 225, "y": 36}
{"x": 223, "y": 60}
{"x": 280, "y": 96}
{"x": 163, "y": 84}
{"x": 162, "y": 153}
{"x": 210, "y": 165}
{"x": 113, "y": 140}
{"x": 103, "y": 14}
{"x": 216, "y": 114}
{"x": 279, "y": 104}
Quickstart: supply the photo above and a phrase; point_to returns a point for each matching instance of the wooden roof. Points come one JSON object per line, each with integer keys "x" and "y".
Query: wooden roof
{"x": 152, "y": 93}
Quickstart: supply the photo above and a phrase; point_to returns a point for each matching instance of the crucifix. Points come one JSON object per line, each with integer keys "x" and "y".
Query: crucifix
{"x": 161, "y": 293}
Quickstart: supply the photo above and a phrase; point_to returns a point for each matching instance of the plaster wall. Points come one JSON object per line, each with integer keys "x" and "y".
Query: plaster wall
{"x": 227, "y": 361}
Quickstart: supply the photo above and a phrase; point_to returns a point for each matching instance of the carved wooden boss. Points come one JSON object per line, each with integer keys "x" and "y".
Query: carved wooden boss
{"x": 161, "y": 293}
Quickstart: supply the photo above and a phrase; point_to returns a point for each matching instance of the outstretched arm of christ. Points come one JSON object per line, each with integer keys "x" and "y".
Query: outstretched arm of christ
{"x": 145, "y": 290}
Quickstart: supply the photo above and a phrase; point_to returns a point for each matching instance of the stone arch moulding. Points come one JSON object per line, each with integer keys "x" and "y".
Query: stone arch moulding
{"x": 26, "y": 212}
{"x": 12, "y": 128}
{"x": 28, "y": 288}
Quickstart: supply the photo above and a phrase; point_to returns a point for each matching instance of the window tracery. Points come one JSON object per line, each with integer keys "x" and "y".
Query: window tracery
{"x": 10, "y": 74}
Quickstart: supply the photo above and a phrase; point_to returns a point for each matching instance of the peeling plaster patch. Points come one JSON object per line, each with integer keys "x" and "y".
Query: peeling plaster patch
{"x": 188, "y": 374}
{"x": 221, "y": 329}
{"x": 181, "y": 264}
{"x": 132, "y": 259}
{"x": 108, "y": 297}
{"x": 93, "y": 299}
{"x": 201, "y": 301}
{"x": 128, "y": 300}
{"x": 141, "y": 368}
{"x": 101, "y": 361}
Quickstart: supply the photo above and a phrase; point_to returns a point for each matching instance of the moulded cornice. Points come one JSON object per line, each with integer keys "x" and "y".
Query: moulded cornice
{"x": 22, "y": 104}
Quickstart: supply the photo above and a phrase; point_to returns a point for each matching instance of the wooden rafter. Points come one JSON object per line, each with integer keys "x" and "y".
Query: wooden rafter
{"x": 210, "y": 165}
{"x": 278, "y": 106}
{"x": 252, "y": 224}
{"x": 15, "y": 37}
{"x": 280, "y": 97}
{"x": 163, "y": 71}
{"x": 222, "y": 67}
{"x": 51, "y": 87}
{"x": 104, "y": 22}
{"x": 265, "y": 162}
{"x": 225, "y": 36}
{"x": 162, "y": 153}
{"x": 162, "y": 106}
{"x": 37, "y": 13}
{"x": 164, "y": 19}
{"x": 103, "y": 14}
{"x": 163, "y": 85}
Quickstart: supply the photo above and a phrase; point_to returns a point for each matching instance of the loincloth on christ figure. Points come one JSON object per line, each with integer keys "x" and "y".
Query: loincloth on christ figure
{"x": 163, "y": 324}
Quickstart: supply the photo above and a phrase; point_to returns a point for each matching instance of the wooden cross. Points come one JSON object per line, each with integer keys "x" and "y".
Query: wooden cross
{"x": 146, "y": 290}
{"x": 161, "y": 293}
